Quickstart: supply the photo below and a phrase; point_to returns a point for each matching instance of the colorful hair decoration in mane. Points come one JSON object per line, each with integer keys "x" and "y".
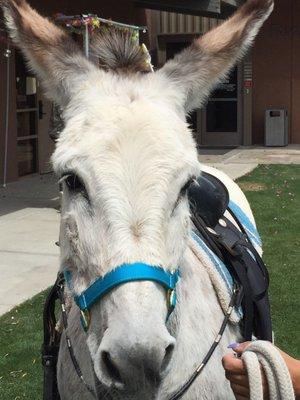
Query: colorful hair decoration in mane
{"x": 116, "y": 45}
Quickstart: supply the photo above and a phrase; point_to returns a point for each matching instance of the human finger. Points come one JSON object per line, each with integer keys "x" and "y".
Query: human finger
{"x": 239, "y": 390}
{"x": 239, "y": 348}
{"x": 239, "y": 379}
{"x": 233, "y": 365}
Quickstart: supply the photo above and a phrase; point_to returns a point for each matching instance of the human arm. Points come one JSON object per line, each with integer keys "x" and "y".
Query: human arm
{"x": 237, "y": 375}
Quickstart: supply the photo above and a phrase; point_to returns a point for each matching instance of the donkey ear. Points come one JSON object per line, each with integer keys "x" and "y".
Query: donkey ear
{"x": 196, "y": 70}
{"x": 50, "y": 52}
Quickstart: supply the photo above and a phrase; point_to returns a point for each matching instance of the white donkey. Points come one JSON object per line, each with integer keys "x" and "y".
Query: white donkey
{"x": 125, "y": 154}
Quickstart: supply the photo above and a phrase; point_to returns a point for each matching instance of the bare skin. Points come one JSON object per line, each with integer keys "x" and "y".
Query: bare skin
{"x": 236, "y": 373}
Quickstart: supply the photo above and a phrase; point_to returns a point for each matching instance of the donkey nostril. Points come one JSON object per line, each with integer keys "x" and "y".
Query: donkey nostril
{"x": 111, "y": 368}
{"x": 168, "y": 355}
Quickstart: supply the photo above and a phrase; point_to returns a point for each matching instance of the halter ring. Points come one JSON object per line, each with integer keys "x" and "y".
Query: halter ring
{"x": 85, "y": 319}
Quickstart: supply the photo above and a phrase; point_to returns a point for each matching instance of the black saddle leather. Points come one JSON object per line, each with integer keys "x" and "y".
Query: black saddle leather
{"x": 209, "y": 198}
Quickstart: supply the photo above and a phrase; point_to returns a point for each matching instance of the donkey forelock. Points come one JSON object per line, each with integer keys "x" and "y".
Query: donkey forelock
{"x": 119, "y": 50}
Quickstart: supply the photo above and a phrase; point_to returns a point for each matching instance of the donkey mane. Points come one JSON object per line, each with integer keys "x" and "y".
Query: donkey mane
{"x": 118, "y": 50}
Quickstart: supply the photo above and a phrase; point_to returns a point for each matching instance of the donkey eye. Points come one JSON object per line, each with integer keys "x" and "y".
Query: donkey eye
{"x": 74, "y": 183}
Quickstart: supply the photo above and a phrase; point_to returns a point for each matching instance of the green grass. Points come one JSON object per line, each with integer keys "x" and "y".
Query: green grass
{"x": 274, "y": 193}
{"x": 20, "y": 344}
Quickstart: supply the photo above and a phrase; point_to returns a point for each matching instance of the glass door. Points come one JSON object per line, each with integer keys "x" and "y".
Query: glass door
{"x": 221, "y": 117}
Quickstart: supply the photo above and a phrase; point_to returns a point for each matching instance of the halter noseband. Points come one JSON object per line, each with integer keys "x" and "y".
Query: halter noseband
{"x": 123, "y": 274}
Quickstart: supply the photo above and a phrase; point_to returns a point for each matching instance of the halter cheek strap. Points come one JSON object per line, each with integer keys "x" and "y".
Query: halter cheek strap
{"x": 121, "y": 275}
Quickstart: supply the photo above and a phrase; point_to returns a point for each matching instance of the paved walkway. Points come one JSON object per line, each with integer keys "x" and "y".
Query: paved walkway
{"x": 29, "y": 221}
{"x": 29, "y": 224}
{"x": 241, "y": 161}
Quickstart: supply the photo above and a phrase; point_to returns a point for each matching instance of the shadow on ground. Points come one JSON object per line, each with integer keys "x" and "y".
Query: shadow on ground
{"x": 39, "y": 191}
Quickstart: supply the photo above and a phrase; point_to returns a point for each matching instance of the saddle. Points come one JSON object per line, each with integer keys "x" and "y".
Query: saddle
{"x": 232, "y": 242}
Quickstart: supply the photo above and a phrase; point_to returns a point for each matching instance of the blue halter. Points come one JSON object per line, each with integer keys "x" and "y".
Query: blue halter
{"x": 121, "y": 275}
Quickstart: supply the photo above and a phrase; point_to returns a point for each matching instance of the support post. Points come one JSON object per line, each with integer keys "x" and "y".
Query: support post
{"x": 7, "y": 54}
{"x": 86, "y": 40}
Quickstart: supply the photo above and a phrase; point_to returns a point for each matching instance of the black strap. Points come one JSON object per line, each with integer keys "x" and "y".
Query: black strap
{"x": 209, "y": 239}
{"x": 247, "y": 302}
{"x": 234, "y": 248}
{"x": 49, "y": 362}
{"x": 225, "y": 253}
{"x": 233, "y": 302}
{"x": 258, "y": 279}
{"x": 69, "y": 342}
{"x": 50, "y": 347}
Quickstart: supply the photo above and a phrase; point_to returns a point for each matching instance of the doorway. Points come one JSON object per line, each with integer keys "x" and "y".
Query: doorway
{"x": 221, "y": 118}
{"x": 27, "y": 119}
{"x": 34, "y": 147}
{"x": 219, "y": 122}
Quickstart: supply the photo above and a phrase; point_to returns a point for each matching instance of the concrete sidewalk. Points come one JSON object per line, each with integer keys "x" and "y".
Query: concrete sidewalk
{"x": 29, "y": 225}
{"x": 242, "y": 160}
{"x": 29, "y": 221}
{"x": 29, "y": 257}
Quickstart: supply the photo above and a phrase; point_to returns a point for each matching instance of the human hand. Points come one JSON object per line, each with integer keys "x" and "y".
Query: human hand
{"x": 236, "y": 372}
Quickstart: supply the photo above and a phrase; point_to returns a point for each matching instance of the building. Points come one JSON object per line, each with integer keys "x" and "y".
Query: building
{"x": 267, "y": 78}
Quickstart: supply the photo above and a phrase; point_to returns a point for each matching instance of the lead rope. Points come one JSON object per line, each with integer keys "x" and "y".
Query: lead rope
{"x": 211, "y": 351}
{"x": 69, "y": 343}
{"x": 263, "y": 354}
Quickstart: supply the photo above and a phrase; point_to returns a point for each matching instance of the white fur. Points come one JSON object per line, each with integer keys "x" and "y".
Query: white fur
{"x": 127, "y": 138}
{"x": 134, "y": 158}
{"x": 130, "y": 144}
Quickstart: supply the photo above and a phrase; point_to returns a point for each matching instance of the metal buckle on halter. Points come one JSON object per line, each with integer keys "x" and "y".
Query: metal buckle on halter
{"x": 85, "y": 319}
{"x": 171, "y": 300}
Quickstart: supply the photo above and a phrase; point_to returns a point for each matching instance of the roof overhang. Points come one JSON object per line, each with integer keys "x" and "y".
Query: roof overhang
{"x": 229, "y": 6}
{"x": 208, "y": 8}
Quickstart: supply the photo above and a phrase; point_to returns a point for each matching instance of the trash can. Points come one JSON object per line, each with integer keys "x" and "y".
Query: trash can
{"x": 276, "y": 128}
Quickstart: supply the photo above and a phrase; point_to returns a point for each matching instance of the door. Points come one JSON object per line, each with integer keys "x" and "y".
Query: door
{"x": 27, "y": 119}
{"x": 33, "y": 115}
{"x": 221, "y": 118}
{"x": 46, "y": 144}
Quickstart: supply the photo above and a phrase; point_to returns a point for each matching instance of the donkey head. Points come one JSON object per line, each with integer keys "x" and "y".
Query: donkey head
{"x": 126, "y": 157}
